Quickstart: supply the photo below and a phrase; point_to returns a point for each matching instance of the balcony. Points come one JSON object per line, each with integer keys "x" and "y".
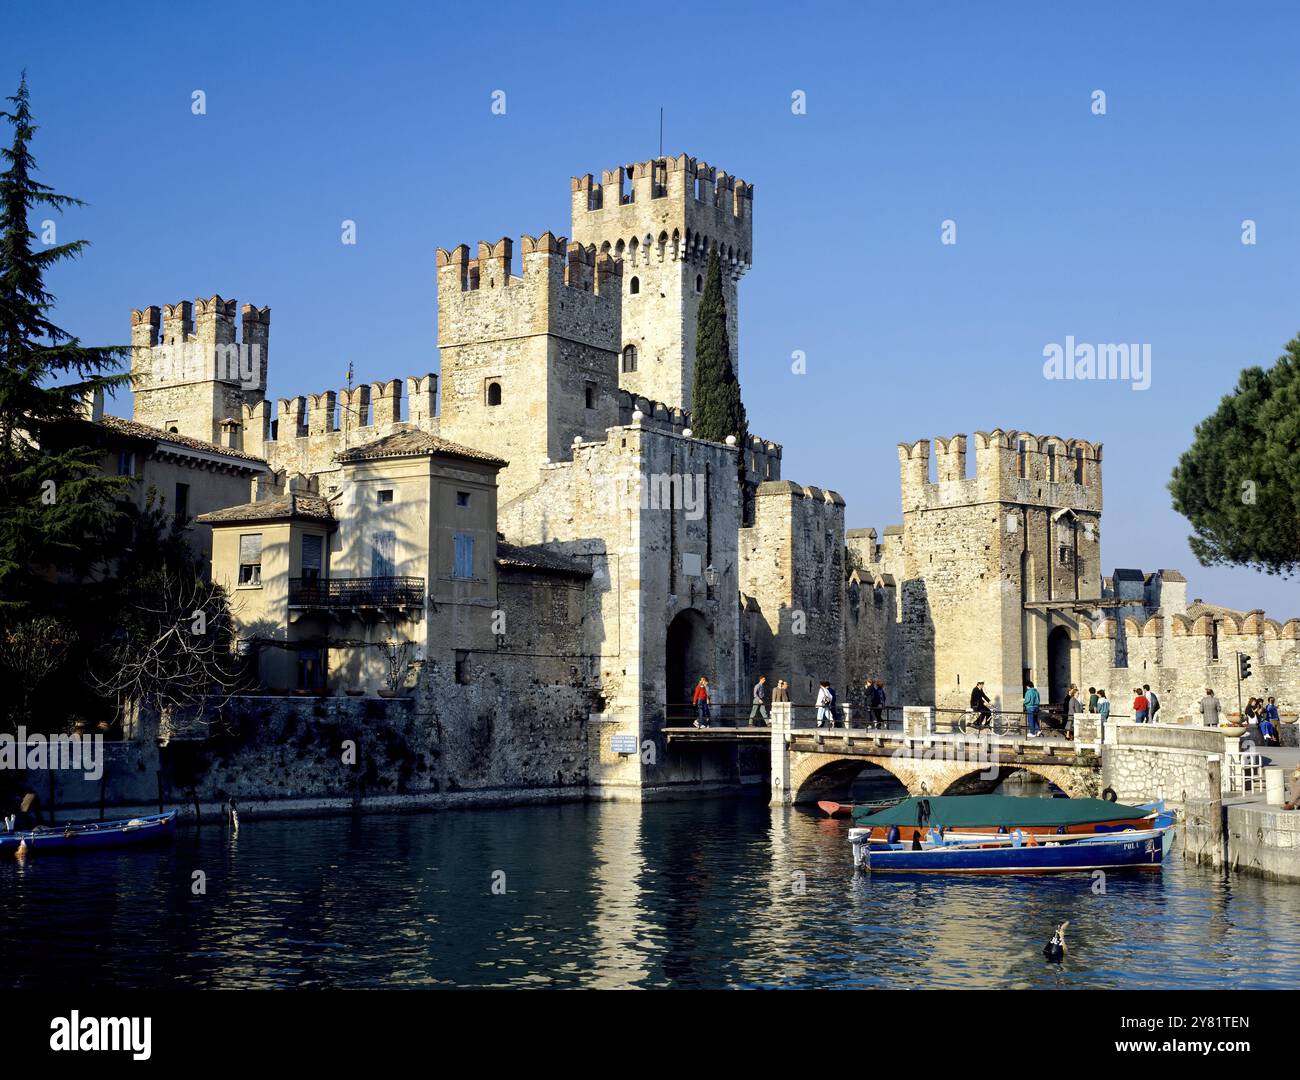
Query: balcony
{"x": 331, "y": 594}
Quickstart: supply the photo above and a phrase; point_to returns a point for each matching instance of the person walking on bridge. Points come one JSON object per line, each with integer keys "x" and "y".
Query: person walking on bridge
{"x": 1032, "y": 701}
{"x": 825, "y": 702}
{"x": 1073, "y": 706}
{"x": 878, "y": 704}
{"x": 700, "y": 699}
{"x": 759, "y": 708}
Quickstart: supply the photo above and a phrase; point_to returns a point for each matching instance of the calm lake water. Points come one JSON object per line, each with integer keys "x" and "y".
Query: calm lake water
{"x": 700, "y": 894}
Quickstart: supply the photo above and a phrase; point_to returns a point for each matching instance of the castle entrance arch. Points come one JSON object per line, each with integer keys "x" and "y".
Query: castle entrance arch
{"x": 1060, "y": 676}
{"x": 688, "y": 655}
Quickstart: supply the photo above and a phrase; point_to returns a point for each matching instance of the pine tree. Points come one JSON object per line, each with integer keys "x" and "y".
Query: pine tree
{"x": 1237, "y": 483}
{"x": 716, "y": 407}
{"x": 56, "y": 507}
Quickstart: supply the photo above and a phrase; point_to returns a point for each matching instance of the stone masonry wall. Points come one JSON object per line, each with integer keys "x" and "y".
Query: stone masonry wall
{"x": 792, "y": 575}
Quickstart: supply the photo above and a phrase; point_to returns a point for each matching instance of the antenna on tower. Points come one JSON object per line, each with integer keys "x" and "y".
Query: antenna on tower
{"x": 661, "y": 131}
{"x": 348, "y": 408}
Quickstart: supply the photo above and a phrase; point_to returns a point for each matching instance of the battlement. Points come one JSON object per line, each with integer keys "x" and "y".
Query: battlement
{"x": 666, "y": 210}
{"x": 208, "y": 321}
{"x": 305, "y": 431}
{"x": 191, "y": 371}
{"x": 1009, "y": 466}
{"x": 762, "y": 456}
{"x": 563, "y": 289}
{"x": 1252, "y": 624}
{"x": 664, "y": 178}
{"x": 547, "y": 260}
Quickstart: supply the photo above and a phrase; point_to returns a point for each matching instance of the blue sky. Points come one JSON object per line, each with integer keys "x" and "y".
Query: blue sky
{"x": 1117, "y": 228}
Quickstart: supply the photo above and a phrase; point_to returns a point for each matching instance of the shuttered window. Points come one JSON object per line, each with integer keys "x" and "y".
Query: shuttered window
{"x": 463, "y": 564}
{"x": 311, "y": 557}
{"x": 382, "y": 547}
{"x": 250, "y": 559}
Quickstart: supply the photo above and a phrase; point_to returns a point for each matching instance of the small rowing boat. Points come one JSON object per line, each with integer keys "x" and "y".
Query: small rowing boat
{"x": 91, "y": 836}
{"x": 1137, "y": 850}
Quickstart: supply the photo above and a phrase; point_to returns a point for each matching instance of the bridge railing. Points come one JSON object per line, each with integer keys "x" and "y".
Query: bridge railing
{"x": 968, "y": 722}
{"x": 802, "y": 715}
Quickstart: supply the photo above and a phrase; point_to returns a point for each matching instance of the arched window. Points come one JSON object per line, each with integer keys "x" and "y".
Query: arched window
{"x": 494, "y": 393}
{"x": 629, "y": 358}
{"x": 635, "y": 286}
{"x": 699, "y": 283}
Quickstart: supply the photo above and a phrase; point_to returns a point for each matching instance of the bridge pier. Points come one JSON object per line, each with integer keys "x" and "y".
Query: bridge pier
{"x": 782, "y": 788}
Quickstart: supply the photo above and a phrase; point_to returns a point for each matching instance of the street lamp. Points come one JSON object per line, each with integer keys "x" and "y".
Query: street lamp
{"x": 711, "y": 575}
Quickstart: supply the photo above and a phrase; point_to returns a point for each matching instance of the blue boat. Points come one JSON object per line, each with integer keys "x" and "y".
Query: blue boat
{"x": 1137, "y": 850}
{"x": 91, "y": 836}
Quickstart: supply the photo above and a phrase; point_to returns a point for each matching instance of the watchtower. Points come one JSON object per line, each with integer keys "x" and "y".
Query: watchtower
{"x": 529, "y": 362}
{"x": 1001, "y": 562}
{"x": 660, "y": 219}
{"x": 189, "y": 372}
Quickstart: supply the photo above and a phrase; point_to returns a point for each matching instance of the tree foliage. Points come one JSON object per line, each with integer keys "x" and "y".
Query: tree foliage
{"x": 56, "y": 507}
{"x": 1239, "y": 482}
{"x": 716, "y": 407}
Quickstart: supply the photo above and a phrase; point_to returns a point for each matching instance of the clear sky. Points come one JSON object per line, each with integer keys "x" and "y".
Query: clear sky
{"x": 1123, "y": 227}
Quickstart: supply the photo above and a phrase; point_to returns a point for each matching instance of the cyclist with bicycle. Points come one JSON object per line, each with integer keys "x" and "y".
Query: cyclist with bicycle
{"x": 979, "y": 705}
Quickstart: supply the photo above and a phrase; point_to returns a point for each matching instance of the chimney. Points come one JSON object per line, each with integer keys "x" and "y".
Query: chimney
{"x": 92, "y": 405}
{"x": 230, "y": 433}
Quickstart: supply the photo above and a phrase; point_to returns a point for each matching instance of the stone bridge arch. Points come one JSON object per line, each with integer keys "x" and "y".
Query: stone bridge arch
{"x": 814, "y": 776}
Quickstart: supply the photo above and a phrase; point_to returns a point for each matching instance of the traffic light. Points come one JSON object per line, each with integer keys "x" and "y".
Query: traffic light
{"x": 1243, "y": 666}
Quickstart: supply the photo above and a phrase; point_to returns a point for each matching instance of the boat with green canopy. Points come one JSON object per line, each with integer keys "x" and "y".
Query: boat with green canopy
{"x": 1000, "y": 813}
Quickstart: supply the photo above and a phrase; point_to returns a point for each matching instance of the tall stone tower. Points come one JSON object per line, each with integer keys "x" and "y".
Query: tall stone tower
{"x": 529, "y": 363}
{"x": 661, "y": 218}
{"x": 189, "y": 373}
{"x": 998, "y": 567}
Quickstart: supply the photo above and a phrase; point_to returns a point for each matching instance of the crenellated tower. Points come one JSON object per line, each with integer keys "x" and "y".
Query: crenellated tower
{"x": 190, "y": 373}
{"x": 661, "y": 218}
{"x": 1001, "y": 559}
{"x": 529, "y": 362}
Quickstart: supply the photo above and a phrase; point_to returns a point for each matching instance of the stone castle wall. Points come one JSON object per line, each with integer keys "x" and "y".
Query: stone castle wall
{"x": 500, "y": 739}
{"x": 792, "y": 581}
{"x": 1177, "y": 657}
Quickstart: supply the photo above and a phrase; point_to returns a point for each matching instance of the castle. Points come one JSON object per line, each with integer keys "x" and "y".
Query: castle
{"x": 550, "y": 538}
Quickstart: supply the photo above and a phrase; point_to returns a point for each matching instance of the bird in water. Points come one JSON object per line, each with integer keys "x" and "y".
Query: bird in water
{"x": 1054, "y": 950}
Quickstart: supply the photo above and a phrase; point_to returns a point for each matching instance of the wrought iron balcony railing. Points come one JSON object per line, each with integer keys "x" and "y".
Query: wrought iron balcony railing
{"x": 374, "y": 592}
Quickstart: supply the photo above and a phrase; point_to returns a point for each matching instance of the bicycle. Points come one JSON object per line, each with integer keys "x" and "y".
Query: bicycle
{"x": 970, "y": 724}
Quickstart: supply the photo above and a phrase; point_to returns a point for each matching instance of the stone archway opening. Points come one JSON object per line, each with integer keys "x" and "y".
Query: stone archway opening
{"x": 1060, "y": 655}
{"x": 1021, "y": 780}
{"x": 688, "y": 654}
{"x": 852, "y": 779}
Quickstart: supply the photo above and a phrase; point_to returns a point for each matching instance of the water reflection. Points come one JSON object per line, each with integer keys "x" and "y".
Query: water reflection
{"x": 720, "y": 893}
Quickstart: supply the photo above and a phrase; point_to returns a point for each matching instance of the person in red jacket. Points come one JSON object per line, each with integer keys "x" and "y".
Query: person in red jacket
{"x": 700, "y": 699}
{"x": 1140, "y": 706}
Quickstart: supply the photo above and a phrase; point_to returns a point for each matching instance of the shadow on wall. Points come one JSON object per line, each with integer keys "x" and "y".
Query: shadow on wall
{"x": 915, "y": 683}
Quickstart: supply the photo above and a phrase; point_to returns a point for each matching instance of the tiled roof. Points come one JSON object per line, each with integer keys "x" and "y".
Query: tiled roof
{"x": 412, "y": 443}
{"x": 1199, "y": 607}
{"x": 144, "y": 431}
{"x": 296, "y": 506}
{"x": 539, "y": 560}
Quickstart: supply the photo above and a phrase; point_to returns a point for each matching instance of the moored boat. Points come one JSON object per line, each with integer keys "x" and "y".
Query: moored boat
{"x": 983, "y": 814}
{"x": 1138, "y": 850}
{"x": 91, "y": 836}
